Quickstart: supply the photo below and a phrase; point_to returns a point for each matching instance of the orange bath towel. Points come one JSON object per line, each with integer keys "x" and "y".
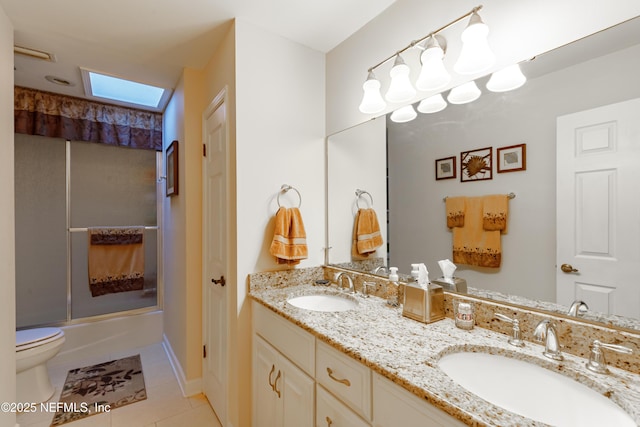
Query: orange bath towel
{"x": 495, "y": 209}
{"x": 366, "y": 233}
{"x": 472, "y": 243}
{"x": 455, "y": 211}
{"x": 289, "y": 244}
{"x": 116, "y": 260}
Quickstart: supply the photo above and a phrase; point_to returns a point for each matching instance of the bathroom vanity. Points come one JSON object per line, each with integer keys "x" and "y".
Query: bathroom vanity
{"x": 370, "y": 366}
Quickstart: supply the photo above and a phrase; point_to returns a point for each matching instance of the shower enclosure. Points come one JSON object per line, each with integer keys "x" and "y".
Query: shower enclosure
{"x": 62, "y": 189}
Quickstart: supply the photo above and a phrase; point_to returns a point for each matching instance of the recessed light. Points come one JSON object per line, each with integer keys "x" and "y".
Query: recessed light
{"x": 59, "y": 81}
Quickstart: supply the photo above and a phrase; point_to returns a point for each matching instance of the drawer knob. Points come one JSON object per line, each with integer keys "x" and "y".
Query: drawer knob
{"x": 329, "y": 422}
{"x": 338, "y": 380}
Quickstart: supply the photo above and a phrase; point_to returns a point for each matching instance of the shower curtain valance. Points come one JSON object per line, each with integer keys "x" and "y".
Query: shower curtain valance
{"x": 60, "y": 116}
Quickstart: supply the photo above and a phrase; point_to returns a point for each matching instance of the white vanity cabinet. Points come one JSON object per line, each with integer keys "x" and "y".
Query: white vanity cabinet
{"x": 283, "y": 391}
{"x": 394, "y": 406}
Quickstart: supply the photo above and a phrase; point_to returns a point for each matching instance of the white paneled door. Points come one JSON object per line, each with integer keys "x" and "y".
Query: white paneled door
{"x": 214, "y": 253}
{"x": 598, "y": 208}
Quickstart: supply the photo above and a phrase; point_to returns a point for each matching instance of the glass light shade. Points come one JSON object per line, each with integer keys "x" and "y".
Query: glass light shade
{"x": 433, "y": 104}
{"x": 400, "y": 89}
{"x": 509, "y": 78}
{"x": 372, "y": 101}
{"x": 404, "y": 114}
{"x": 465, "y": 93}
{"x": 433, "y": 74}
{"x": 476, "y": 55}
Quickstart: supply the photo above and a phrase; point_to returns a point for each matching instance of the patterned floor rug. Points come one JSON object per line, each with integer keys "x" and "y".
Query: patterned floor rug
{"x": 100, "y": 388}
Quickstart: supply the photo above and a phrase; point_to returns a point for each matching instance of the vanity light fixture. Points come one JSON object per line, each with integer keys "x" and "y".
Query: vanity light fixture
{"x": 400, "y": 89}
{"x": 506, "y": 79}
{"x": 372, "y": 101}
{"x": 465, "y": 93}
{"x": 404, "y": 114}
{"x": 476, "y": 56}
{"x": 433, "y": 104}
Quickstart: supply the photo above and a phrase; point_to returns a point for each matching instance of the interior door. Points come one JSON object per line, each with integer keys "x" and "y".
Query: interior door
{"x": 214, "y": 252}
{"x": 598, "y": 208}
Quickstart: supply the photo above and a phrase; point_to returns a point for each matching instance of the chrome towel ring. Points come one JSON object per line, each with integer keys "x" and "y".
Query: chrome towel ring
{"x": 284, "y": 189}
{"x": 360, "y": 194}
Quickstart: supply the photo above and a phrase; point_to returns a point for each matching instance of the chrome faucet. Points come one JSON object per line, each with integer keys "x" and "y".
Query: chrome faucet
{"x": 339, "y": 281}
{"x": 577, "y": 307}
{"x": 380, "y": 268}
{"x": 546, "y": 331}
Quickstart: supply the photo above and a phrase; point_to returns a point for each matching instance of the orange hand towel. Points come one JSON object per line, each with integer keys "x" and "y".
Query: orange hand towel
{"x": 366, "y": 234}
{"x": 455, "y": 207}
{"x": 289, "y": 244}
{"x": 495, "y": 209}
{"x": 472, "y": 245}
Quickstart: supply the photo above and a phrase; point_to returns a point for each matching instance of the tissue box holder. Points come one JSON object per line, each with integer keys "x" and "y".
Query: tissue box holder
{"x": 423, "y": 305}
{"x": 458, "y": 285}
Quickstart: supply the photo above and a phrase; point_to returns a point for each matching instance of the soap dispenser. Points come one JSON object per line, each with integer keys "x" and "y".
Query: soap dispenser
{"x": 415, "y": 272}
{"x": 393, "y": 287}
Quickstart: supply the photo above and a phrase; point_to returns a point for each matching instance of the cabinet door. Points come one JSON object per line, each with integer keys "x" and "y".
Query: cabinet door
{"x": 394, "y": 406}
{"x": 297, "y": 394}
{"x": 265, "y": 400}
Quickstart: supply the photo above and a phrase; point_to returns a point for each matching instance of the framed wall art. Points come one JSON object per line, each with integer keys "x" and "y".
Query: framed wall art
{"x": 446, "y": 168}
{"x": 476, "y": 165}
{"x": 171, "y": 165}
{"x": 512, "y": 158}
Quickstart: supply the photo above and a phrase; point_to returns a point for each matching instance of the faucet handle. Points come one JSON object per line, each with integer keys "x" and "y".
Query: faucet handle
{"x": 366, "y": 286}
{"x": 515, "y": 340}
{"x": 597, "y": 362}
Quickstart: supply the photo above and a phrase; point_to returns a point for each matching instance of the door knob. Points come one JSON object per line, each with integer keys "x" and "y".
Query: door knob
{"x": 568, "y": 268}
{"x": 219, "y": 281}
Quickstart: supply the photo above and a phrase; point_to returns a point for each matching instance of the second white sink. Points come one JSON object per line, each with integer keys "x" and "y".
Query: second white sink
{"x": 532, "y": 391}
{"x": 323, "y": 302}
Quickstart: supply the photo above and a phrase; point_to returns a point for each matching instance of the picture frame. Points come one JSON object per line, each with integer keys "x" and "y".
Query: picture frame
{"x": 171, "y": 165}
{"x": 446, "y": 168}
{"x": 512, "y": 158}
{"x": 476, "y": 165}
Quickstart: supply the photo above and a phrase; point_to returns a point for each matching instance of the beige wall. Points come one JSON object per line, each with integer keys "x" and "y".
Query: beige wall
{"x": 519, "y": 30}
{"x": 7, "y": 244}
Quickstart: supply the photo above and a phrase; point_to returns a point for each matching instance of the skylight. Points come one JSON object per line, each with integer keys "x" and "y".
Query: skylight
{"x": 123, "y": 91}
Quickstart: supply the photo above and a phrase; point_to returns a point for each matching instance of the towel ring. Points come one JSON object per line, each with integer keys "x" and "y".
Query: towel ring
{"x": 359, "y": 194}
{"x": 284, "y": 189}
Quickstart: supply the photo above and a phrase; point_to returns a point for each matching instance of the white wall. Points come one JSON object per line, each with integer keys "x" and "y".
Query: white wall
{"x": 7, "y": 244}
{"x": 527, "y": 115}
{"x": 518, "y": 30}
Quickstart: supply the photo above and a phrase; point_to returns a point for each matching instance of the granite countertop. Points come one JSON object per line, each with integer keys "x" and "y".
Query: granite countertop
{"x": 407, "y": 352}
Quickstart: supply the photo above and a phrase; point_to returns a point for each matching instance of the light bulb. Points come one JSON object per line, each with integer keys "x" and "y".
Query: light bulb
{"x": 476, "y": 55}
{"x": 509, "y": 78}
{"x": 404, "y": 114}
{"x": 433, "y": 74}
{"x": 372, "y": 101}
{"x": 465, "y": 93}
{"x": 400, "y": 89}
{"x": 433, "y": 104}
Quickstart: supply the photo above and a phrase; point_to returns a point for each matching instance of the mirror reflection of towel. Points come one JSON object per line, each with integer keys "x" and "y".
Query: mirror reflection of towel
{"x": 116, "y": 260}
{"x": 366, "y": 233}
{"x": 289, "y": 244}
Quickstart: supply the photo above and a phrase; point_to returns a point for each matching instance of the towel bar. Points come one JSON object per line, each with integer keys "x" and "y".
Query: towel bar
{"x": 510, "y": 196}
{"x": 284, "y": 189}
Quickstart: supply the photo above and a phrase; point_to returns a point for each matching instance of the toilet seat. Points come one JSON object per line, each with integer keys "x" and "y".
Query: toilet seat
{"x": 30, "y": 338}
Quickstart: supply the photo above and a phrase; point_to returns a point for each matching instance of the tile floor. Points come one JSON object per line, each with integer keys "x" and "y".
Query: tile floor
{"x": 165, "y": 405}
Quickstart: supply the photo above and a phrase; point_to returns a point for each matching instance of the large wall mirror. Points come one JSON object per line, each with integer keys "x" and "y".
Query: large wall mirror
{"x": 395, "y": 163}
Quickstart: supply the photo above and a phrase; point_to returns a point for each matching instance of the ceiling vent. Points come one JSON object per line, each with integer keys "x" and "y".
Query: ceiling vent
{"x": 36, "y": 54}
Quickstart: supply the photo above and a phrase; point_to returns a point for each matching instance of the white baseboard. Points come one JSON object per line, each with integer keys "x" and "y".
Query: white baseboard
{"x": 188, "y": 387}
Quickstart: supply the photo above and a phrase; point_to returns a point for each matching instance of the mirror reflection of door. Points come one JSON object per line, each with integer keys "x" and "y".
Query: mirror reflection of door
{"x": 598, "y": 208}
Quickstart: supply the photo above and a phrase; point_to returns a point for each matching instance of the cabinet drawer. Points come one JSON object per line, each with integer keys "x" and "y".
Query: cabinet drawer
{"x": 295, "y": 343}
{"x": 347, "y": 379}
{"x": 331, "y": 412}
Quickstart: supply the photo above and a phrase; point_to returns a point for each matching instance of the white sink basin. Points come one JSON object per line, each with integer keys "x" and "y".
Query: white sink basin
{"x": 323, "y": 302}
{"x": 532, "y": 391}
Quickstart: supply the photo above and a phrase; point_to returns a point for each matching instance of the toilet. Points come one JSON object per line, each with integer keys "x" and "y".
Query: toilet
{"x": 34, "y": 347}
